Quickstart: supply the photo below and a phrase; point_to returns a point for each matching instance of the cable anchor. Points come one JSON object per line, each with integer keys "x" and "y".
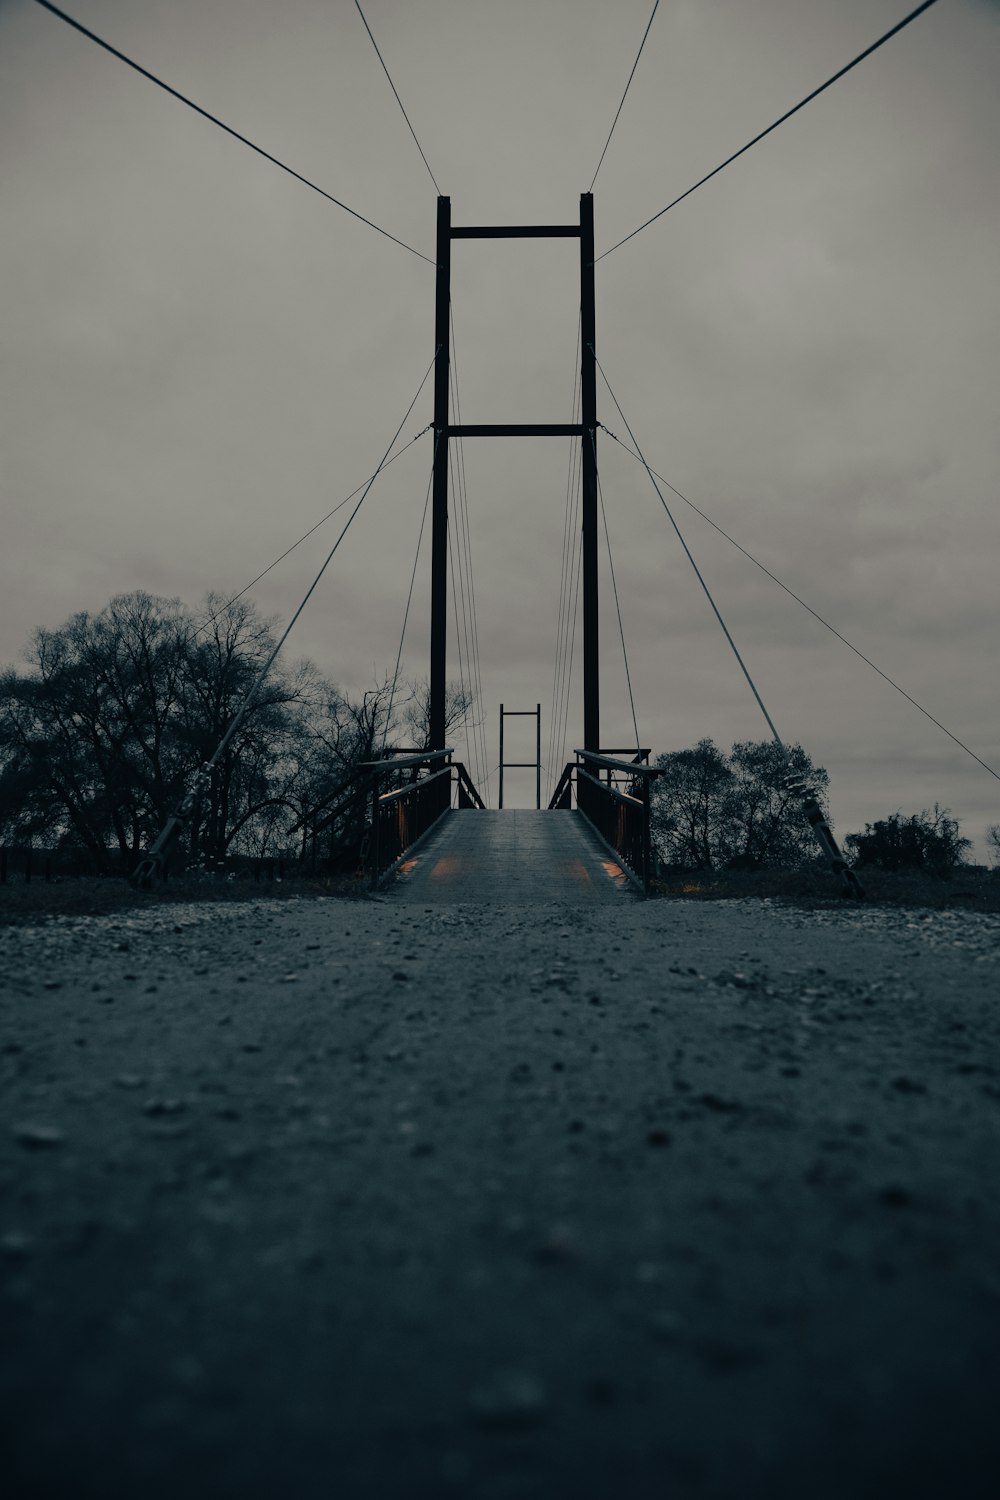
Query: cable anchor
{"x": 152, "y": 867}
{"x": 817, "y": 819}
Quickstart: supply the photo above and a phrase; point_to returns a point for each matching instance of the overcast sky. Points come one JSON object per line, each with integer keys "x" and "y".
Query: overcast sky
{"x": 201, "y": 356}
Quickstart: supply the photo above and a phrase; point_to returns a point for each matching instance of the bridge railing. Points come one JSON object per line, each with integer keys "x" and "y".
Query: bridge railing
{"x": 402, "y": 813}
{"x": 613, "y": 795}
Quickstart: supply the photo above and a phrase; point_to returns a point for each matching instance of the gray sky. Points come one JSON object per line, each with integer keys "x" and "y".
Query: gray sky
{"x": 201, "y": 356}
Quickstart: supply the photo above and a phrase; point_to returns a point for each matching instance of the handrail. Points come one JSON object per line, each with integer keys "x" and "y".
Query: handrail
{"x": 388, "y": 763}
{"x": 621, "y": 819}
{"x": 466, "y": 784}
{"x": 560, "y": 799}
{"x": 402, "y": 815}
{"x": 611, "y": 791}
{"x": 405, "y": 791}
{"x": 630, "y": 767}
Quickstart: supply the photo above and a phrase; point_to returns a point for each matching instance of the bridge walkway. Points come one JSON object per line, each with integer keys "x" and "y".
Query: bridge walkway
{"x": 514, "y": 856}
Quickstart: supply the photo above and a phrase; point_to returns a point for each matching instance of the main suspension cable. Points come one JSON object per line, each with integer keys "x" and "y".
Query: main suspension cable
{"x": 697, "y": 571}
{"x": 399, "y": 101}
{"x": 176, "y": 94}
{"x": 807, "y": 607}
{"x": 786, "y": 116}
{"x": 618, "y": 111}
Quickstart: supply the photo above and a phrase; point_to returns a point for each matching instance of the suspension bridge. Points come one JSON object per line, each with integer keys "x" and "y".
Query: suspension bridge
{"x": 444, "y": 1193}
{"x": 404, "y": 801}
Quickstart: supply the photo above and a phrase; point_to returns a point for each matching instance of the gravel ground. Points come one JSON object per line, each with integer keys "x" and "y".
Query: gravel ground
{"x": 358, "y": 1199}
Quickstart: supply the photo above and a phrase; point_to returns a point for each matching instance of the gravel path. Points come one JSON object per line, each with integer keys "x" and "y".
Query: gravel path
{"x": 653, "y": 1199}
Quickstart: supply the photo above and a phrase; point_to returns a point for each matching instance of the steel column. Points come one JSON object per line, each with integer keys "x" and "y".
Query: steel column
{"x": 588, "y": 379}
{"x": 439, "y": 513}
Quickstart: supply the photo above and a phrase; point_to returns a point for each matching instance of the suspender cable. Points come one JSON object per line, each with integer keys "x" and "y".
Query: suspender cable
{"x": 175, "y": 93}
{"x": 480, "y": 721}
{"x": 456, "y": 524}
{"x": 459, "y": 603}
{"x": 462, "y": 666}
{"x": 152, "y": 863}
{"x": 618, "y": 608}
{"x": 409, "y": 600}
{"x": 786, "y": 116}
{"x": 566, "y": 566}
{"x": 578, "y": 561}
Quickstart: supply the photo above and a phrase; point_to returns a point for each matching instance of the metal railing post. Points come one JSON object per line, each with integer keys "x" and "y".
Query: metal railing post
{"x": 376, "y": 820}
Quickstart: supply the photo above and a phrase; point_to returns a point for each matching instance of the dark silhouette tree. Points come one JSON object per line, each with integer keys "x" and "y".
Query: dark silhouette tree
{"x": 712, "y": 811}
{"x": 688, "y": 805}
{"x": 763, "y": 822}
{"x": 928, "y": 841}
{"x": 102, "y": 732}
{"x": 87, "y": 728}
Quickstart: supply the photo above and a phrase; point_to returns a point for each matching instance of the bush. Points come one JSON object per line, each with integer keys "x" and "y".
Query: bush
{"x": 925, "y": 841}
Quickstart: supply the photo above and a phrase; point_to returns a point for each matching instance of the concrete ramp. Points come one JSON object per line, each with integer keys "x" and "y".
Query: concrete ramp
{"x": 511, "y": 857}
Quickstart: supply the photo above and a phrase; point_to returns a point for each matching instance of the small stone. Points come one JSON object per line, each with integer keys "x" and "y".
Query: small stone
{"x": 665, "y": 1325}
{"x": 720, "y": 1106}
{"x": 156, "y": 1108}
{"x": 908, "y": 1086}
{"x": 600, "y": 1391}
{"x": 15, "y": 1245}
{"x": 555, "y": 1249}
{"x": 658, "y": 1137}
{"x": 895, "y": 1196}
{"x": 726, "y": 1357}
{"x": 512, "y": 1400}
{"x": 38, "y": 1137}
{"x": 737, "y": 981}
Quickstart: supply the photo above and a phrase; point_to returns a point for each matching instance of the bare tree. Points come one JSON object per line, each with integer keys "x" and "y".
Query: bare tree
{"x": 711, "y": 810}
{"x": 919, "y": 841}
{"x": 86, "y": 730}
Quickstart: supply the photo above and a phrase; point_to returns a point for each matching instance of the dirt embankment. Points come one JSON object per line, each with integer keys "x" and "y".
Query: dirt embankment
{"x": 329, "y": 1198}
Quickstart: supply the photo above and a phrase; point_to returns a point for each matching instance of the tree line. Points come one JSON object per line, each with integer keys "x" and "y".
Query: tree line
{"x": 112, "y": 712}
{"x": 713, "y": 811}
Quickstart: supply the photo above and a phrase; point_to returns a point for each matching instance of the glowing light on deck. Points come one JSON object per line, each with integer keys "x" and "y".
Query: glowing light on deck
{"x": 614, "y": 872}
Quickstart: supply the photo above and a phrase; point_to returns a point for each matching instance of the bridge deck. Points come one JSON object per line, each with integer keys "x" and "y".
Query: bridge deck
{"x": 512, "y": 856}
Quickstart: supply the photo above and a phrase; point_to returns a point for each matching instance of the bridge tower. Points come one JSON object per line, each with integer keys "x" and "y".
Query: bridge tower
{"x": 585, "y": 430}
